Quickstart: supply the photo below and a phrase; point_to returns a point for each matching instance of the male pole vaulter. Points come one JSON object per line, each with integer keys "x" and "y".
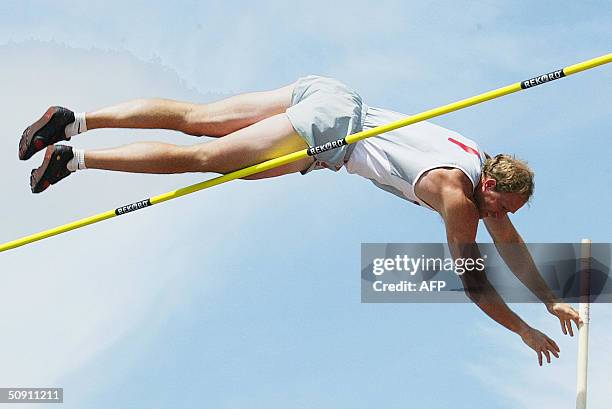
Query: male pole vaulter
{"x": 423, "y": 163}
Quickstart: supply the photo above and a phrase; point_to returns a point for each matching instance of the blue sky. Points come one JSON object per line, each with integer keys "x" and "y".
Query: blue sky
{"x": 247, "y": 295}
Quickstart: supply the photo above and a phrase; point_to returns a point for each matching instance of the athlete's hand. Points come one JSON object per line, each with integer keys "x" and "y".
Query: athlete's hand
{"x": 566, "y": 315}
{"x": 540, "y": 343}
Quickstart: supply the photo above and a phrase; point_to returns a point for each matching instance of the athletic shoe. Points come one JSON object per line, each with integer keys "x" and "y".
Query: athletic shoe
{"x": 49, "y": 129}
{"x": 53, "y": 168}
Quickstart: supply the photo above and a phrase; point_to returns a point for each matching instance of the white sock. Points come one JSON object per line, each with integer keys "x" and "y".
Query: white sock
{"x": 78, "y": 126}
{"x": 78, "y": 161}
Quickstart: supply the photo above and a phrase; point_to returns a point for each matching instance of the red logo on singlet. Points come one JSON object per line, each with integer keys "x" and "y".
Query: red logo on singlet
{"x": 466, "y": 148}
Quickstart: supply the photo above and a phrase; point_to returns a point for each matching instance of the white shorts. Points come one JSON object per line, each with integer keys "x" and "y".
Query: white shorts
{"x": 324, "y": 110}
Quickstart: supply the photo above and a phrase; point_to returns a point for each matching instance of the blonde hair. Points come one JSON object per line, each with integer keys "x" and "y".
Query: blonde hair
{"x": 511, "y": 174}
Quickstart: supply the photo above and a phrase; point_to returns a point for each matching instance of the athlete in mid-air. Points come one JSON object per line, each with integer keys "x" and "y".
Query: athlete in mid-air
{"x": 422, "y": 163}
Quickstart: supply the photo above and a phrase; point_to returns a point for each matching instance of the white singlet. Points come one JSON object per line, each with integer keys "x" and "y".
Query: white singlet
{"x": 394, "y": 161}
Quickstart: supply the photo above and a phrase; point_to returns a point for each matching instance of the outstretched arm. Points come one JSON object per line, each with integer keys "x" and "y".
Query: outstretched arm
{"x": 480, "y": 290}
{"x": 515, "y": 254}
{"x": 461, "y": 222}
{"x": 461, "y": 219}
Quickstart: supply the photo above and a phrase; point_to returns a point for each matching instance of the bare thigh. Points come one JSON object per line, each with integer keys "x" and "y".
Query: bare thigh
{"x": 264, "y": 140}
{"x": 229, "y": 115}
{"x": 212, "y": 119}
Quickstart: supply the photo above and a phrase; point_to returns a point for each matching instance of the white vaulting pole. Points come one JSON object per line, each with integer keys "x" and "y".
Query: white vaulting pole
{"x": 585, "y": 314}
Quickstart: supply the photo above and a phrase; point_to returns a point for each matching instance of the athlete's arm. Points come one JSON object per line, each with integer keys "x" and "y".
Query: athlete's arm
{"x": 461, "y": 221}
{"x": 461, "y": 218}
{"x": 515, "y": 254}
{"x": 447, "y": 192}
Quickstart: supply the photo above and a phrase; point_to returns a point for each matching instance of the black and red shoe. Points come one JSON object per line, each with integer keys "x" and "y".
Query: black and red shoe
{"x": 49, "y": 129}
{"x": 53, "y": 169}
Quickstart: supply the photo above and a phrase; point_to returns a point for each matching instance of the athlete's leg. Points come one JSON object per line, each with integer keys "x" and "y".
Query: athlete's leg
{"x": 214, "y": 119}
{"x": 263, "y": 140}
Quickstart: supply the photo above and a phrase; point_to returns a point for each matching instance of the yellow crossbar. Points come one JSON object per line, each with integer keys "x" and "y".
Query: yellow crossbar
{"x": 273, "y": 163}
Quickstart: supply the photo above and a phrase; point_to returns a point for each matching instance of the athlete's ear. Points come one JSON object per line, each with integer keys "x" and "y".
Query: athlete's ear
{"x": 489, "y": 184}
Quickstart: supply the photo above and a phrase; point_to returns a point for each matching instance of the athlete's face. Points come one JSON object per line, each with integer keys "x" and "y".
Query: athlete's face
{"x": 497, "y": 204}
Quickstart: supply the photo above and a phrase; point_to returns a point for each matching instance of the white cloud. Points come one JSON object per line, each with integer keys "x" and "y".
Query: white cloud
{"x": 67, "y": 298}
